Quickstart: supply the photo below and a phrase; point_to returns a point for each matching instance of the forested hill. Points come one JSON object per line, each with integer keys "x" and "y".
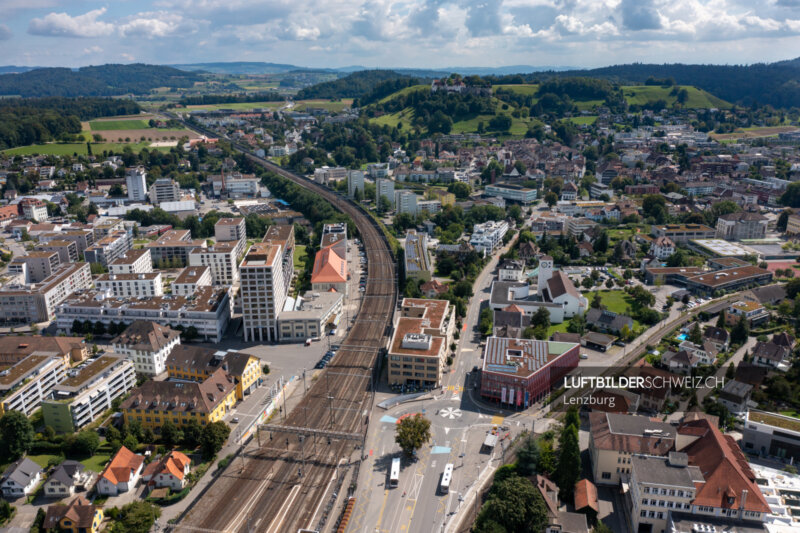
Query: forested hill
{"x": 354, "y": 85}
{"x": 775, "y": 84}
{"x": 104, "y": 80}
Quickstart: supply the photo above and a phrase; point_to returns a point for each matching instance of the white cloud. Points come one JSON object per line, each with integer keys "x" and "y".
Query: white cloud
{"x": 5, "y": 32}
{"x": 158, "y": 24}
{"x": 63, "y": 25}
{"x": 92, "y": 50}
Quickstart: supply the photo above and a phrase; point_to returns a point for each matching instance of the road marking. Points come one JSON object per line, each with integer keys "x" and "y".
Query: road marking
{"x": 285, "y": 509}
{"x": 440, "y": 449}
{"x": 450, "y": 413}
{"x": 383, "y": 507}
{"x": 497, "y": 420}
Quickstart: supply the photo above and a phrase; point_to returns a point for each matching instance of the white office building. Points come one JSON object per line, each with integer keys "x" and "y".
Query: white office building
{"x": 136, "y": 181}
{"x": 131, "y": 285}
{"x": 488, "y": 236}
{"x": 355, "y": 181}
{"x": 384, "y": 187}
{"x": 263, "y": 291}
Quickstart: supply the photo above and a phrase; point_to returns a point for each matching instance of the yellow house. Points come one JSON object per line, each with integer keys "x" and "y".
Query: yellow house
{"x": 78, "y": 516}
{"x": 196, "y": 363}
{"x": 156, "y": 402}
{"x": 444, "y": 197}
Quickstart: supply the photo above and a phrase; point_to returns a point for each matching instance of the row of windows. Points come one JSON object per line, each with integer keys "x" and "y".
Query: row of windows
{"x": 668, "y": 504}
{"x": 652, "y": 514}
{"x": 665, "y": 492}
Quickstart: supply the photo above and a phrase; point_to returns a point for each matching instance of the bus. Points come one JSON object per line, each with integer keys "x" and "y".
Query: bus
{"x": 447, "y": 477}
{"x": 394, "y": 475}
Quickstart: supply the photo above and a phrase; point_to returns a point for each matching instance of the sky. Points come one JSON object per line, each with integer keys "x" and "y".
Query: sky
{"x": 411, "y": 33}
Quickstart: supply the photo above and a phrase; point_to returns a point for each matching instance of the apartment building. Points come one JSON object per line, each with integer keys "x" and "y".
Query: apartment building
{"x": 87, "y": 392}
{"x": 147, "y": 345}
{"x": 683, "y": 233}
{"x": 418, "y": 264}
{"x": 208, "y": 310}
{"x": 34, "y": 209}
{"x": 355, "y": 182}
{"x": 14, "y": 349}
{"x": 283, "y": 235}
{"x": 659, "y": 486}
{"x": 37, "y": 302}
{"x": 488, "y": 236}
{"x": 192, "y": 278}
{"x": 511, "y": 193}
{"x": 326, "y": 175}
{"x": 420, "y": 341}
{"x": 35, "y": 266}
{"x": 222, "y": 260}
{"x": 195, "y": 363}
{"x": 742, "y": 225}
{"x": 793, "y": 225}
{"x": 131, "y": 285}
{"x": 67, "y": 250}
{"x": 136, "y": 181}
{"x": 107, "y": 249}
{"x": 406, "y": 202}
{"x": 173, "y": 248}
{"x": 230, "y": 229}
{"x": 263, "y": 291}
{"x": 106, "y": 226}
{"x": 156, "y": 402}
{"x": 83, "y": 238}
{"x": 385, "y": 187}
{"x": 137, "y": 261}
{"x": 25, "y": 385}
{"x": 662, "y": 248}
{"x": 311, "y": 314}
{"x": 164, "y": 190}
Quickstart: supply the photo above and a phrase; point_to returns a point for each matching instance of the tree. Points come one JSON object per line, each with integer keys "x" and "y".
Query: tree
{"x": 485, "y": 322}
{"x": 568, "y": 467}
{"x": 460, "y": 190}
{"x": 440, "y": 123}
{"x": 730, "y": 373}
{"x": 721, "y": 319}
{"x": 528, "y": 456}
{"x": 412, "y": 432}
{"x": 577, "y": 324}
{"x": 541, "y": 318}
{"x": 16, "y": 435}
{"x": 136, "y": 517}
{"x": 170, "y": 434}
{"x": 793, "y": 286}
{"x": 783, "y": 219}
{"x": 130, "y": 442}
{"x": 192, "y": 433}
{"x": 213, "y": 438}
{"x": 85, "y": 442}
{"x": 515, "y": 504}
{"x": 597, "y": 301}
{"x": 547, "y": 457}
{"x": 740, "y": 331}
{"x": 791, "y": 198}
{"x": 551, "y": 198}
{"x": 695, "y": 335}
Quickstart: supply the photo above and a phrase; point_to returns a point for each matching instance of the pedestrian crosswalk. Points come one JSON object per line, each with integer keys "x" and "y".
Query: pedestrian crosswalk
{"x": 455, "y": 388}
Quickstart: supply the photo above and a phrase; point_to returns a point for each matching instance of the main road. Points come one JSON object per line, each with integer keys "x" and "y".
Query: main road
{"x": 283, "y": 482}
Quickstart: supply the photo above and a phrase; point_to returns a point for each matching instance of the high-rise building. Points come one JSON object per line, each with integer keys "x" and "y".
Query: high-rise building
{"x": 405, "y": 202}
{"x": 136, "y": 181}
{"x": 384, "y": 187}
{"x": 263, "y": 291}
{"x": 355, "y": 181}
{"x": 164, "y": 190}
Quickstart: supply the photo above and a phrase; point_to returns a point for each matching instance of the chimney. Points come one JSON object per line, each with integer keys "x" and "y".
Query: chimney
{"x": 744, "y": 499}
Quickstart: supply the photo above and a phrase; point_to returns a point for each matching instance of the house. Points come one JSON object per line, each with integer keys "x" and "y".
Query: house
{"x": 607, "y": 321}
{"x": 784, "y": 339}
{"x": 169, "y": 471}
{"x": 597, "y": 341}
{"x": 681, "y": 362}
{"x": 753, "y": 312}
{"x": 66, "y": 478}
{"x": 510, "y": 322}
{"x": 78, "y": 516}
{"x": 121, "y": 474}
{"x": 511, "y": 270}
{"x": 433, "y": 289}
{"x": 662, "y": 247}
{"x": 718, "y": 337}
{"x": 586, "y": 499}
{"x": 569, "y": 192}
{"x": 559, "y": 521}
{"x": 528, "y": 251}
{"x": 20, "y": 479}
{"x": 735, "y": 395}
{"x": 771, "y": 294}
{"x": 769, "y": 354}
{"x": 705, "y": 353}
{"x": 585, "y": 249}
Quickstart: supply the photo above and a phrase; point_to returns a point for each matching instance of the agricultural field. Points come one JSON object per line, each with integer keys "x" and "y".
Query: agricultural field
{"x": 78, "y": 148}
{"x": 245, "y": 106}
{"x": 698, "y": 99}
{"x": 752, "y": 133}
{"x": 587, "y": 120}
{"x": 526, "y": 89}
{"x": 106, "y": 125}
{"x": 334, "y": 106}
{"x": 148, "y": 134}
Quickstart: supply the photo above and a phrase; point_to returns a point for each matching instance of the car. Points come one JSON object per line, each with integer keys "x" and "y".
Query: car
{"x": 318, "y": 366}
{"x": 235, "y": 419}
{"x": 584, "y": 356}
{"x": 362, "y": 289}
{"x": 619, "y": 343}
{"x": 308, "y": 342}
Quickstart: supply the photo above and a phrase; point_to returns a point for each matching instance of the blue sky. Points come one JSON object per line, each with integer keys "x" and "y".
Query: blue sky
{"x": 412, "y": 33}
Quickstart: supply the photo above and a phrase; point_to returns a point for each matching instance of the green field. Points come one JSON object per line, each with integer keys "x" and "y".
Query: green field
{"x": 106, "y": 125}
{"x": 526, "y": 89}
{"x": 245, "y": 106}
{"x": 591, "y": 119}
{"x": 616, "y": 301}
{"x": 299, "y": 256}
{"x": 407, "y": 90}
{"x": 334, "y": 106}
{"x": 77, "y": 148}
{"x": 698, "y": 99}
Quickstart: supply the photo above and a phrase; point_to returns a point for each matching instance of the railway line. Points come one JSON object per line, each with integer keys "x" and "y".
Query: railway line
{"x": 282, "y": 484}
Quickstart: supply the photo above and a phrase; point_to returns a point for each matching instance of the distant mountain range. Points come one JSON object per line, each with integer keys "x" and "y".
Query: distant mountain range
{"x": 255, "y": 68}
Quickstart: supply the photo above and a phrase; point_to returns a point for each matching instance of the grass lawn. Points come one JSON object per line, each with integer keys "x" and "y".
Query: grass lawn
{"x": 332, "y": 106}
{"x": 42, "y": 460}
{"x": 105, "y": 125}
{"x": 583, "y": 120}
{"x": 98, "y": 461}
{"x": 698, "y": 99}
{"x": 77, "y": 148}
{"x": 407, "y": 90}
{"x": 588, "y": 105}
{"x": 528, "y": 89}
{"x": 299, "y": 256}
{"x": 557, "y": 328}
{"x": 617, "y": 300}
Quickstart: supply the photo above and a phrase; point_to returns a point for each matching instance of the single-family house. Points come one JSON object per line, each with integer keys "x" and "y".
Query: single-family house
{"x": 718, "y": 337}
{"x": 706, "y": 353}
{"x": 121, "y": 474}
{"x": 20, "y": 479}
{"x": 78, "y": 516}
{"x": 607, "y": 321}
{"x": 66, "y": 478}
{"x": 169, "y": 471}
{"x": 769, "y": 354}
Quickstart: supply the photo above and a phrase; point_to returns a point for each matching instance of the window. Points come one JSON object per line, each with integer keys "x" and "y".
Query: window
{"x": 643, "y": 514}
{"x": 644, "y": 501}
{"x": 646, "y": 490}
{"x": 660, "y": 515}
{"x": 606, "y": 475}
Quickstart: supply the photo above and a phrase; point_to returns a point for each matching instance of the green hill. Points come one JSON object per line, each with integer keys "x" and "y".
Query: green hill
{"x": 698, "y": 98}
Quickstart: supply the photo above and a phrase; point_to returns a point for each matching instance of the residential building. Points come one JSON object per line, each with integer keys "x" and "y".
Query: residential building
{"x": 121, "y": 474}
{"x": 173, "y": 248}
{"x": 741, "y": 225}
{"x": 729, "y": 279}
{"x": 511, "y": 193}
{"x": 793, "y": 224}
{"x": 418, "y": 347}
{"x": 511, "y": 270}
{"x": 719, "y": 337}
{"x": 735, "y": 395}
{"x": 406, "y": 202}
{"x": 67, "y": 250}
{"x": 683, "y": 233}
{"x": 662, "y": 248}
{"x": 418, "y": 265}
{"x": 520, "y": 372}
{"x": 771, "y": 355}
{"x": 192, "y": 278}
{"x": 230, "y": 229}
{"x": 263, "y": 291}
{"x": 429, "y": 206}
{"x": 705, "y": 353}
{"x": 25, "y": 385}
{"x": 444, "y": 197}
{"x": 147, "y": 345}
{"x": 137, "y": 261}
{"x": 34, "y": 209}
{"x": 20, "y": 479}
{"x": 700, "y": 188}
{"x": 195, "y": 363}
{"x": 615, "y": 438}
{"x": 155, "y": 402}
{"x": 136, "y": 181}
{"x": 107, "y": 249}
{"x": 312, "y": 313}
{"x": 283, "y": 235}
{"x": 326, "y": 175}
{"x": 355, "y": 182}
{"x": 82, "y": 238}
{"x": 384, "y": 187}
{"x": 488, "y": 236}
{"x": 659, "y": 485}
{"x": 14, "y": 349}
{"x": 598, "y": 189}
{"x": 169, "y": 471}
{"x": 606, "y": 321}
{"x": 559, "y": 521}
{"x": 87, "y": 393}
{"x": 164, "y": 190}
{"x": 105, "y": 226}
{"x": 753, "y": 312}
{"x": 330, "y": 265}
{"x": 66, "y": 478}
{"x": 131, "y": 285}
{"x": 433, "y": 289}
{"x": 34, "y": 267}
{"x": 771, "y": 435}
{"x": 36, "y": 302}
{"x": 78, "y": 516}
{"x": 557, "y": 295}
{"x": 221, "y": 258}
{"x": 208, "y": 311}
{"x": 569, "y": 192}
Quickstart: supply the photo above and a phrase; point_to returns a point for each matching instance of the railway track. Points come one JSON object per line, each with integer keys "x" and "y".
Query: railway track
{"x": 282, "y": 485}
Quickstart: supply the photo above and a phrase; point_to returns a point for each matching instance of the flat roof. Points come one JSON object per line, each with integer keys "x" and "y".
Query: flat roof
{"x": 775, "y": 420}
{"x": 130, "y": 257}
{"x": 205, "y": 300}
{"x": 260, "y": 254}
{"x": 406, "y": 326}
{"x": 434, "y": 310}
{"x": 192, "y": 274}
{"x": 230, "y": 221}
{"x": 11, "y": 376}
{"x": 683, "y": 227}
{"x": 129, "y": 277}
{"x": 721, "y": 277}
{"x": 90, "y": 371}
{"x": 721, "y": 247}
{"x": 278, "y": 234}
{"x": 659, "y": 471}
{"x": 521, "y": 357}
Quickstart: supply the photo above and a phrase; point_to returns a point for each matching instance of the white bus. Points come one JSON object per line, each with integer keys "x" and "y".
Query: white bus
{"x": 394, "y": 477}
{"x": 447, "y": 476}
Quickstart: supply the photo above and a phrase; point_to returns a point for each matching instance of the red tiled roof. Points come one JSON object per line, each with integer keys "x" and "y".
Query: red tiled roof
{"x": 173, "y": 463}
{"x": 329, "y": 267}
{"x": 120, "y": 468}
{"x": 586, "y": 495}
